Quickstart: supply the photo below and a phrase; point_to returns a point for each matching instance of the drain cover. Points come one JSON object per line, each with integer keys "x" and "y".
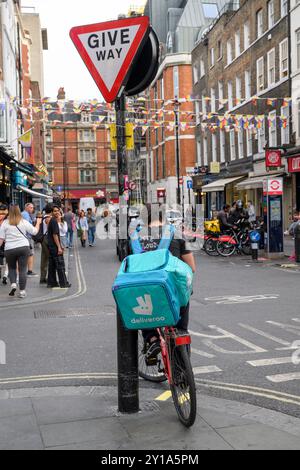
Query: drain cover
{"x": 78, "y": 312}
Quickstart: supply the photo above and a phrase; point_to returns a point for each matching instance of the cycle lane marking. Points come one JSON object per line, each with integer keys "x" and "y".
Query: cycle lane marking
{"x": 281, "y": 378}
{"x": 271, "y": 362}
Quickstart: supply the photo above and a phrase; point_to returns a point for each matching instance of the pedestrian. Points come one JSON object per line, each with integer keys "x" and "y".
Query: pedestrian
{"x": 3, "y": 265}
{"x": 91, "y": 220}
{"x": 56, "y": 253}
{"x": 17, "y": 247}
{"x": 70, "y": 219}
{"x": 252, "y": 212}
{"x": 45, "y": 247}
{"x": 82, "y": 228}
{"x": 28, "y": 215}
{"x": 63, "y": 230}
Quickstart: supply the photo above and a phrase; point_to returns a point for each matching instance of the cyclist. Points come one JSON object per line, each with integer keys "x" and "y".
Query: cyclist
{"x": 238, "y": 214}
{"x": 223, "y": 217}
{"x": 150, "y": 242}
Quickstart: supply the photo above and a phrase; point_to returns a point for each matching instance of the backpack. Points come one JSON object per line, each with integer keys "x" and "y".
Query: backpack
{"x": 151, "y": 287}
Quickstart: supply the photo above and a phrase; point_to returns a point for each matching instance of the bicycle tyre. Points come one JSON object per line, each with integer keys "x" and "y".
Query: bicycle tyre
{"x": 149, "y": 373}
{"x": 183, "y": 387}
{"x": 210, "y": 247}
{"x": 226, "y": 249}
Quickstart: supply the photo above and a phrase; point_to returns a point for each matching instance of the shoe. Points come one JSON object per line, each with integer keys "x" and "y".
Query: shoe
{"x": 4, "y": 281}
{"x": 52, "y": 287}
{"x": 43, "y": 282}
{"x": 13, "y": 290}
{"x": 31, "y": 274}
{"x": 22, "y": 294}
{"x": 67, "y": 286}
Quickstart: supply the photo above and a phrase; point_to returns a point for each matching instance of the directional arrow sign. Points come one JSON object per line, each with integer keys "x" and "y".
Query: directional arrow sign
{"x": 108, "y": 50}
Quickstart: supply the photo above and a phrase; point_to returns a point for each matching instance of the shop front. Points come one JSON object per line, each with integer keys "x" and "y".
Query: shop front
{"x": 75, "y": 195}
{"x": 5, "y": 177}
{"x": 294, "y": 170}
{"x": 218, "y": 193}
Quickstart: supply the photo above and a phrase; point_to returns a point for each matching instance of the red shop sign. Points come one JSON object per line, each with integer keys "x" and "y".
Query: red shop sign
{"x": 273, "y": 159}
{"x": 294, "y": 164}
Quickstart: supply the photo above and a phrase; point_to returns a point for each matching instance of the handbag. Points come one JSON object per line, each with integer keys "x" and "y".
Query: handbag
{"x": 25, "y": 236}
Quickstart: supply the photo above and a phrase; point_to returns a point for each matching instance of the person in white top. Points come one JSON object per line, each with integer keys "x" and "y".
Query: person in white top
{"x": 63, "y": 230}
{"x": 17, "y": 247}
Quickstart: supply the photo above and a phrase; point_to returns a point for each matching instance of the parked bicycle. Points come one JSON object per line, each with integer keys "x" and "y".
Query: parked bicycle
{"x": 235, "y": 241}
{"x": 173, "y": 365}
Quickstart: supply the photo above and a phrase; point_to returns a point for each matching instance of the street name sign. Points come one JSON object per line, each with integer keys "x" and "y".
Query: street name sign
{"x": 109, "y": 49}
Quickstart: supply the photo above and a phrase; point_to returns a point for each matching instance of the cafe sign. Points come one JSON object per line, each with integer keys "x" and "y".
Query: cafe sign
{"x": 273, "y": 159}
{"x": 294, "y": 164}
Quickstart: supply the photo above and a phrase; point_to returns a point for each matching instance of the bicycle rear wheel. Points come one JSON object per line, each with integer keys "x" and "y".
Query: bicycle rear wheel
{"x": 183, "y": 386}
{"x": 226, "y": 249}
{"x": 153, "y": 373}
{"x": 210, "y": 247}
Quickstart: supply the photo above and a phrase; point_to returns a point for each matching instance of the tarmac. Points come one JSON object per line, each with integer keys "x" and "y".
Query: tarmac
{"x": 87, "y": 418}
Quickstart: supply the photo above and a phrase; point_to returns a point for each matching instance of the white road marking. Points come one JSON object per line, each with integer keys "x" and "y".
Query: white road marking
{"x": 281, "y": 378}
{"x": 271, "y": 362}
{"x": 237, "y": 299}
{"x": 265, "y": 335}
{"x": 206, "y": 370}
{"x": 290, "y": 328}
{"x": 202, "y": 353}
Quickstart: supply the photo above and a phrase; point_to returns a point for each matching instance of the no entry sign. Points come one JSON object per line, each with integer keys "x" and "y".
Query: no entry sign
{"x": 108, "y": 50}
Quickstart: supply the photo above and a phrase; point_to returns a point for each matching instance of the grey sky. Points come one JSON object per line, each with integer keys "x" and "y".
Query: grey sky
{"x": 62, "y": 63}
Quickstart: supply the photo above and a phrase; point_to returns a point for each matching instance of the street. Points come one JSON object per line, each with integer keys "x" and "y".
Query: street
{"x": 244, "y": 324}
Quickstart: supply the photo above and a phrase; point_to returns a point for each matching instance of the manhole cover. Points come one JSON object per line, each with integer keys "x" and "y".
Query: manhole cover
{"x": 78, "y": 312}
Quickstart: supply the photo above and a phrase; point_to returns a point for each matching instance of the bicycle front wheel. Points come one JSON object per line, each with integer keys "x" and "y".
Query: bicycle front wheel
{"x": 210, "y": 247}
{"x": 226, "y": 249}
{"x": 183, "y": 386}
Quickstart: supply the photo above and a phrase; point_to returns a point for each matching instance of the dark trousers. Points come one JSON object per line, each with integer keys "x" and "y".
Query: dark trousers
{"x": 44, "y": 260}
{"x": 56, "y": 267}
{"x": 18, "y": 259}
{"x": 183, "y": 323}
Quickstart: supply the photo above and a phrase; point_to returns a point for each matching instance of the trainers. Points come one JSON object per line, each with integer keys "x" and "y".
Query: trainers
{"x": 22, "y": 294}
{"x": 31, "y": 274}
{"x": 13, "y": 290}
{"x": 4, "y": 280}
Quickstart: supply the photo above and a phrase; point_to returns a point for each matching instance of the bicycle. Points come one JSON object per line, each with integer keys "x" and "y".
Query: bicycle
{"x": 173, "y": 365}
{"x": 235, "y": 242}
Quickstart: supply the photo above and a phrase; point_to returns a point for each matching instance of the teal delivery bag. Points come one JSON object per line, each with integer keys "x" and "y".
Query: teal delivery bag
{"x": 150, "y": 289}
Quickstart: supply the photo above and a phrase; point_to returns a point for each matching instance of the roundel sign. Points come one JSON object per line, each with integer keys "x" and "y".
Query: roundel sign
{"x": 109, "y": 51}
{"x": 273, "y": 186}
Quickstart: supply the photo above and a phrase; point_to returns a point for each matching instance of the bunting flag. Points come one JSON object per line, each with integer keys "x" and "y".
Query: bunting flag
{"x": 26, "y": 141}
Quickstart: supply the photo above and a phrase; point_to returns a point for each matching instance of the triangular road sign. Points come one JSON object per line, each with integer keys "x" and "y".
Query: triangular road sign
{"x": 108, "y": 50}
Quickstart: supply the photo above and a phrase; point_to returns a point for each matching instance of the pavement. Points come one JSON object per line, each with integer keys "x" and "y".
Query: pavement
{"x": 87, "y": 418}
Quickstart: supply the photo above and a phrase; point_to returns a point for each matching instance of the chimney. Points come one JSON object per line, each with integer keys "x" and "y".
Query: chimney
{"x": 61, "y": 94}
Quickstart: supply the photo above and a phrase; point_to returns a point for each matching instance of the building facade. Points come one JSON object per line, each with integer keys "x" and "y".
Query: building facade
{"x": 242, "y": 93}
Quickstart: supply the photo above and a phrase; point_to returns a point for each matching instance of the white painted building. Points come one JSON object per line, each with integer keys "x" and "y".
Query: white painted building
{"x": 9, "y": 81}
{"x": 295, "y": 57}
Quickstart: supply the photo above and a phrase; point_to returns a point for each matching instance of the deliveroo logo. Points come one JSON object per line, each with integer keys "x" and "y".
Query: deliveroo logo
{"x": 145, "y": 306}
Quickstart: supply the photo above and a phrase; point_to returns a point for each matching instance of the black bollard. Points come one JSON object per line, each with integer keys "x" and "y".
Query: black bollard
{"x": 297, "y": 242}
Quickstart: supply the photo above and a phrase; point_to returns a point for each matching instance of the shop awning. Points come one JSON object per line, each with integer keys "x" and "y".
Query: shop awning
{"x": 255, "y": 183}
{"x": 34, "y": 193}
{"x": 219, "y": 185}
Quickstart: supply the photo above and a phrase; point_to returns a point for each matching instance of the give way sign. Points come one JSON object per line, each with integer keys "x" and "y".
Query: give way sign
{"x": 109, "y": 49}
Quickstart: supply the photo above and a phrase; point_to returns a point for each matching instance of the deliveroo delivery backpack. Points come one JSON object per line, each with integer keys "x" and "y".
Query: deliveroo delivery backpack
{"x": 151, "y": 287}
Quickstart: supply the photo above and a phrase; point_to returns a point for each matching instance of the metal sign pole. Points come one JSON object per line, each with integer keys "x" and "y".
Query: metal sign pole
{"x": 128, "y": 375}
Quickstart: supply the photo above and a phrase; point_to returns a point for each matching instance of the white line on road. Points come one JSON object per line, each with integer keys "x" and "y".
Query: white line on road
{"x": 265, "y": 335}
{"x": 202, "y": 353}
{"x": 290, "y": 328}
{"x": 271, "y": 362}
{"x": 206, "y": 370}
{"x": 280, "y": 378}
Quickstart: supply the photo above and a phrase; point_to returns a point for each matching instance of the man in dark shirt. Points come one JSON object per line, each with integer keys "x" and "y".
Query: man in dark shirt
{"x": 56, "y": 253}
{"x": 223, "y": 217}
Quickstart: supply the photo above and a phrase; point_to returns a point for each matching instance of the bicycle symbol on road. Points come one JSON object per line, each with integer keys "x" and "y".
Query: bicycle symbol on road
{"x": 238, "y": 299}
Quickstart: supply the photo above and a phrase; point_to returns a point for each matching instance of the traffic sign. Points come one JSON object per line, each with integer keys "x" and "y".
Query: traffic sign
{"x": 273, "y": 186}
{"x": 132, "y": 186}
{"x": 109, "y": 49}
{"x": 190, "y": 184}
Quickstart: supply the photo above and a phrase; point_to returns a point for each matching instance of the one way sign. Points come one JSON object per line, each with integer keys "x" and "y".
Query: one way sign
{"x": 108, "y": 50}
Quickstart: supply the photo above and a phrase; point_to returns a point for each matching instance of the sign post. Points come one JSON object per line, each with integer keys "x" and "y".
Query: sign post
{"x": 273, "y": 212}
{"x": 123, "y": 58}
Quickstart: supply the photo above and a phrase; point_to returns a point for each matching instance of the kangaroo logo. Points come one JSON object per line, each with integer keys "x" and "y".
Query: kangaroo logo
{"x": 145, "y": 306}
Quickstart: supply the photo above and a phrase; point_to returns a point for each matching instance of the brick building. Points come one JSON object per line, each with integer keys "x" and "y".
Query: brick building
{"x": 241, "y": 86}
{"x": 78, "y": 156}
{"x": 173, "y": 82}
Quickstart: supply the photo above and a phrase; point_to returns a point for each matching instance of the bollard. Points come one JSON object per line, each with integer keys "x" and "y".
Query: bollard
{"x": 297, "y": 242}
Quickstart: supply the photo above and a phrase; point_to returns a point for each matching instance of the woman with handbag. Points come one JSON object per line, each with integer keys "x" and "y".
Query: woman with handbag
{"x": 17, "y": 247}
{"x": 82, "y": 228}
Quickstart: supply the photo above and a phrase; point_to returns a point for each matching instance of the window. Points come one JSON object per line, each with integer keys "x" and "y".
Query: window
{"x": 262, "y": 137}
{"x": 86, "y": 117}
{"x": 260, "y": 74}
{"x": 212, "y": 57}
{"x": 87, "y": 155}
{"x": 284, "y": 7}
{"x": 246, "y": 35}
{"x": 259, "y": 24}
{"x": 272, "y": 129}
{"x": 3, "y": 126}
{"x": 298, "y": 48}
{"x": 284, "y": 59}
{"x": 87, "y": 135}
{"x": 197, "y": 108}
{"x": 221, "y": 95}
{"x": 222, "y": 146}
{"x": 229, "y": 52}
{"x": 230, "y": 95}
{"x": 232, "y": 145}
{"x": 202, "y": 68}
{"x": 271, "y": 67}
{"x": 241, "y": 143}
{"x": 49, "y": 155}
{"x": 237, "y": 44}
{"x": 220, "y": 50}
{"x": 163, "y": 150}
{"x": 162, "y": 89}
{"x": 50, "y": 175}
{"x": 214, "y": 147}
{"x": 205, "y": 153}
{"x": 247, "y": 84}
{"x": 213, "y": 100}
{"x": 271, "y": 14}
{"x": 176, "y": 82}
{"x": 249, "y": 143}
{"x": 204, "y": 106}
{"x": 285, "y": 130}
{"x": 195, "y": 73}
{"x": 48, "y": 137}
{"x": 239, "y": 90}
{"x": 87, "y": 176}
{"x": 113, "y": 176}
{"x": 199, "y": 153}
